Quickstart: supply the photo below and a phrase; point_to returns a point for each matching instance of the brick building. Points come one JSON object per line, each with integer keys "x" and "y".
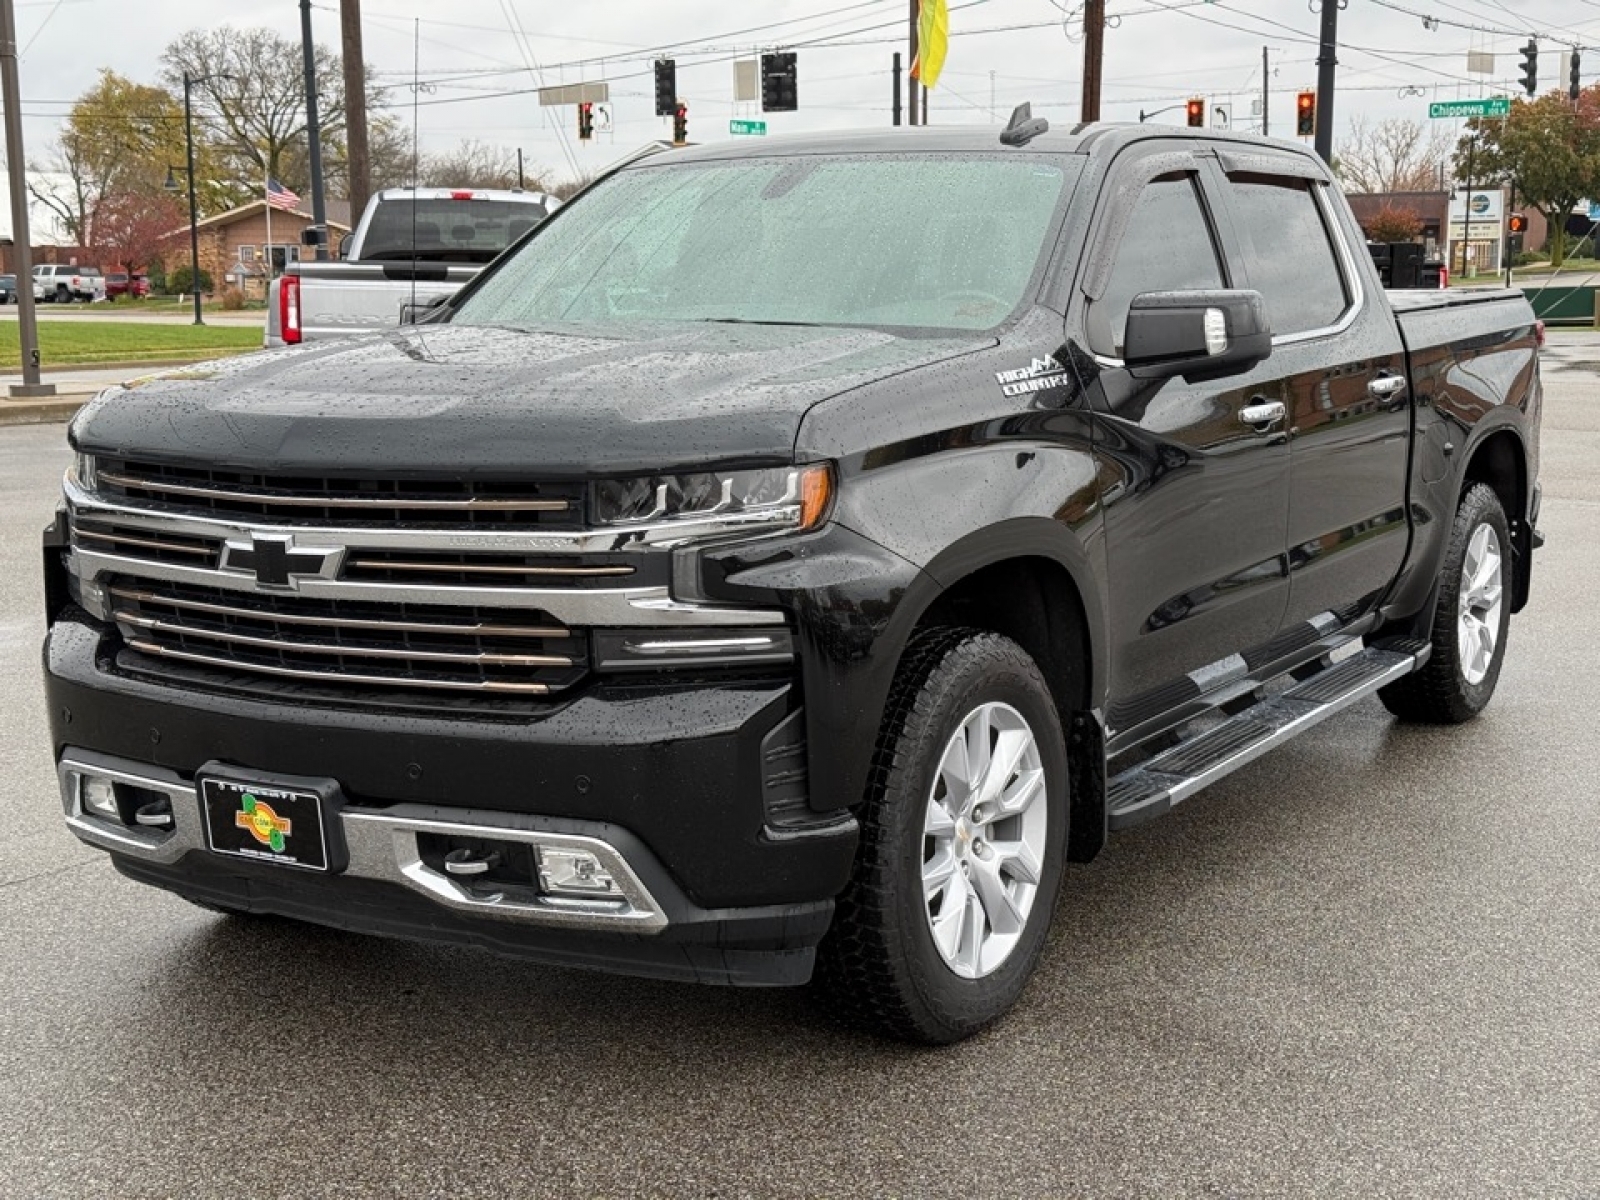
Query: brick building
{"x": 235, "y": 245}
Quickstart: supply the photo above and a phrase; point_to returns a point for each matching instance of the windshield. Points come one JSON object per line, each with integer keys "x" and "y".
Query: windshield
{"x": 914, "y": 242}
{"x": 466, "y": 231}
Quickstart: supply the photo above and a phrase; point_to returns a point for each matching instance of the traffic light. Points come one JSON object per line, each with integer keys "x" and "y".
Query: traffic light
{"x": 1530, "y": 67}
{"x": 585, "y": 121}
{"x": 1197, "y": 114}
{"x": 1573, "y": 86}
{"x": 1516, "y": 223}
{"x": 666, "y": 86}
{"x": 1305, "y": 114}
{"x": 780, "y": 84}
{"x": 680, "y": 124}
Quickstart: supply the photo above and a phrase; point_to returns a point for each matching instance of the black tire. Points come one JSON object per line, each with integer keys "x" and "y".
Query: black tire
{"x": 1441, "y": 693}
{"x": 62, "y": 295}
{"x": 879, "y": 967}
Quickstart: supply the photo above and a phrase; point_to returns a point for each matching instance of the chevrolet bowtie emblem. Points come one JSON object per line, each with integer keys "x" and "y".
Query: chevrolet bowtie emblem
{"x": 278, "y": 563}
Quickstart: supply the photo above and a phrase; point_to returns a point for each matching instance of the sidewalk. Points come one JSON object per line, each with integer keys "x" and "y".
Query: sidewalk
{"x": 75, "y": 387}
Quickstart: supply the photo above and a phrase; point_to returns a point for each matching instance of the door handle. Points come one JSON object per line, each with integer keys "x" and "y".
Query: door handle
{"x": 1264, "y": 415}
{"x": 1386, "y": 387}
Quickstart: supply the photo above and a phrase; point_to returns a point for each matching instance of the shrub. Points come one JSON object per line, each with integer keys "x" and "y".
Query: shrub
{"x": 1391, "y": 224}
{"x": 232, "y": 299}
{"x": 1526, "y": 258}
{"x": 180, "y": 281}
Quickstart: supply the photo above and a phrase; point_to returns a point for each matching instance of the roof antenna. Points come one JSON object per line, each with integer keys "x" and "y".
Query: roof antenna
{"x": 1023, "y": 126}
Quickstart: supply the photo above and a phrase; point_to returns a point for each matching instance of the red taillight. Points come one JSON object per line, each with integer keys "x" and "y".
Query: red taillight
{"x": 289, "y": 308}
{"x": 1538, "y": 333}
{"x": 461, "y": 195}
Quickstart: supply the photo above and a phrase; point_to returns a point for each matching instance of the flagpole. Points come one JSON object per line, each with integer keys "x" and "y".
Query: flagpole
{"x": 266, "y": 194}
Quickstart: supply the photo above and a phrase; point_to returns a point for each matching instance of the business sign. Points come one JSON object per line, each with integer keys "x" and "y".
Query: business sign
{"x": 749, "y": 128}
{"x": 1486, "y": 206}
{"x": 1494, "y": 106}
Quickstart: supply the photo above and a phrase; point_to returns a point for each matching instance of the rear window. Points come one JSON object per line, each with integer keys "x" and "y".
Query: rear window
{"x": 465, "y": 231}
{"x": 88, "y": 270}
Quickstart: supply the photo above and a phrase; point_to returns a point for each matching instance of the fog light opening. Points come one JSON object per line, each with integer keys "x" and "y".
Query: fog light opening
{"x": 570, "y": 872}
{"x": 98, "y": 795}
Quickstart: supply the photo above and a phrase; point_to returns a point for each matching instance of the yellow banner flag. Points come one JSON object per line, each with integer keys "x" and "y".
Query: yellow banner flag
{"x": 933, "y": 39}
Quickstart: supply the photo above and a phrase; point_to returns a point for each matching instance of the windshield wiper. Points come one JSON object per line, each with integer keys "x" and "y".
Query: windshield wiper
{"x": 749, "y": 321}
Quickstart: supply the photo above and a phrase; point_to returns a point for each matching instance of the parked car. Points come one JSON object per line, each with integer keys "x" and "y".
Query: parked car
{"x": 122, "y": 283}
{"x": 8, "y": 289}
{"x": 56, "y": 283}
{"x": 411, "y": 250}
{"x": 790, "y": 556}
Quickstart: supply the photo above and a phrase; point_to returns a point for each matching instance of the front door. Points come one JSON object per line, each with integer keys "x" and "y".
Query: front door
{"x": 1196, "y": 492}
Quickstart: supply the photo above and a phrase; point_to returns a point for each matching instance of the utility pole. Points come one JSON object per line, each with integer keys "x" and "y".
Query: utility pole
{"x": 520, "y": 184}
{"x": 1266, "y": 90}
{"x": 1094, "y": 36}
{"x": 911, "y": 98}
{"x": 1326, "y": 62}
{"x": 17, "y": 168}
{"x": 319, "y": 205}
{"x": 355, "y": 106}
{"x": 895, "y": 110}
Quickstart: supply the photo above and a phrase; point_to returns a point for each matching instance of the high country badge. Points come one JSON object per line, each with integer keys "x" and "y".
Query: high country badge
{"x": 1040, "y": 375}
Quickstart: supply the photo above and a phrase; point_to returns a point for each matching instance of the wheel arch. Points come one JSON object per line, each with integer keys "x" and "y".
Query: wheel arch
{"x": 1499, "y": 460}
{"x": 1030, "y": 580}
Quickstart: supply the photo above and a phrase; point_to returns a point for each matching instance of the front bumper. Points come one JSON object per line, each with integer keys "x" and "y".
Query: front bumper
{"x": 670, "y": 778}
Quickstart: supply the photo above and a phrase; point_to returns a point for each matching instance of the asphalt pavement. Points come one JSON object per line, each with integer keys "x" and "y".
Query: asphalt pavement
{"x": 1368, "y": 965}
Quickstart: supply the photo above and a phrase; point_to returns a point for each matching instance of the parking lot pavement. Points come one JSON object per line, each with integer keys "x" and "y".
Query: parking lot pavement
{"x": 1368, "y": 965}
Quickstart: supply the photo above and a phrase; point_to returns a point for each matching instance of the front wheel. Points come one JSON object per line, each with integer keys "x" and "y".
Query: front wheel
{"x": 1470, "y": 621}
{"x": 963, "y": 843}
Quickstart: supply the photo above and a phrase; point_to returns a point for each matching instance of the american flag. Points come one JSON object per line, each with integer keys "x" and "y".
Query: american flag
{"x": 281, "y": 197}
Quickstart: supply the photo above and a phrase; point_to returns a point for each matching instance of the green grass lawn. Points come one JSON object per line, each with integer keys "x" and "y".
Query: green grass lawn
{"x": 85, "y": 343}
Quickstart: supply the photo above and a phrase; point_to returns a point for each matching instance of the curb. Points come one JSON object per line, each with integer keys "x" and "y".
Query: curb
{"x": 56, "y": 410}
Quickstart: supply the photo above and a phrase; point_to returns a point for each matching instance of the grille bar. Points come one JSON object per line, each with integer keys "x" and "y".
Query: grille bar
{"x": 342, "y": 650}
{"x": 230, "y": 664}
{"x": 383, "y": 500}
{"x": 471, "y": 568}
{"x": 474, "y": 629}
{"x": 123, "y": 539}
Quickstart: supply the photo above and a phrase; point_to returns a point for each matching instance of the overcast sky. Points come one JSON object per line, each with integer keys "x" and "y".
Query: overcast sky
{"x": 477, "y": 76}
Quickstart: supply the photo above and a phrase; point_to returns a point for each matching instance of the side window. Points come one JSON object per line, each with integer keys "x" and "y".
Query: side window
{"x": 1167, "y": 247}
{"x": 1288, "y": 255}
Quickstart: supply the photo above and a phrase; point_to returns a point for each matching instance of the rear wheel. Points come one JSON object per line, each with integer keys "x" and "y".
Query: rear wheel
{"x": 963, "y": 843}
{"x": 1470, "y": 622}
{"x": 62, "y": 295}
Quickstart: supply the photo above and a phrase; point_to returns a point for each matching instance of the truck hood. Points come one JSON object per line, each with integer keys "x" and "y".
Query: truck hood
{"x": 452, "y": 400}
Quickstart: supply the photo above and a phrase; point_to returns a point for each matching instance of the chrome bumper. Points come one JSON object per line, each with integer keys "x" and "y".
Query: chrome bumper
{"x": 382, "y": 845}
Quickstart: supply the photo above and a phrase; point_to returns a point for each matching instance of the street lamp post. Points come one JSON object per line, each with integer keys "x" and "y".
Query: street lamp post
{"x": 172, "y": 184}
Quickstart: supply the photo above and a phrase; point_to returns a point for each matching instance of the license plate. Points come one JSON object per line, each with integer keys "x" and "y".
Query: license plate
{"x": 265, "y": 822}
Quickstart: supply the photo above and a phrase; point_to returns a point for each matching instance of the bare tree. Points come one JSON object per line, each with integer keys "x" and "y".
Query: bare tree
{"x": 1396, "y": 155}
{"x": 476, "y": 164}
{"x": 252, "y": 98}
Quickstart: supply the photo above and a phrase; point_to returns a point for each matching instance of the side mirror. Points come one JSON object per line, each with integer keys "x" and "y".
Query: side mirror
{"x": 344, "y": 245}
{"x": 1198, "y": 335}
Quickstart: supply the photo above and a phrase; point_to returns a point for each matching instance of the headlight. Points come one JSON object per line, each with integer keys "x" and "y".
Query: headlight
{"x": 83, "y": 470}
{"x": 787, "y": 497}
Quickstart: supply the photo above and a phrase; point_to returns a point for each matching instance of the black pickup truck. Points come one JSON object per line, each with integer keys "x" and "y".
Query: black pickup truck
{"x": 790, "y": 556}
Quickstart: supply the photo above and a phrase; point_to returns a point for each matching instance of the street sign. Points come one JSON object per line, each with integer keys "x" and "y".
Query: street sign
{"x": 1495, "y": 106}
{"x": 601, "y": 115}
{"x": 757, "y": 128}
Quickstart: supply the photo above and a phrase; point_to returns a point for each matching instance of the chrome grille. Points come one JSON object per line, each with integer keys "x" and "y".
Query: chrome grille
{"x": 485, "y": 569}
{"x": 135, "y": 541}
{"x": 368, "y": 503}
{"x": 357, "y": 644}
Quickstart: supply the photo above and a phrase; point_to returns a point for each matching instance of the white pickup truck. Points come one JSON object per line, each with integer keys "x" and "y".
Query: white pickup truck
{"x": 411, "y": 249}
{"x": 61, "y": 284}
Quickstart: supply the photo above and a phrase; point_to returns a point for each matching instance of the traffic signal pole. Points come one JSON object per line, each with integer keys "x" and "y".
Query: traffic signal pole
{"x": 1326, "y": 62}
